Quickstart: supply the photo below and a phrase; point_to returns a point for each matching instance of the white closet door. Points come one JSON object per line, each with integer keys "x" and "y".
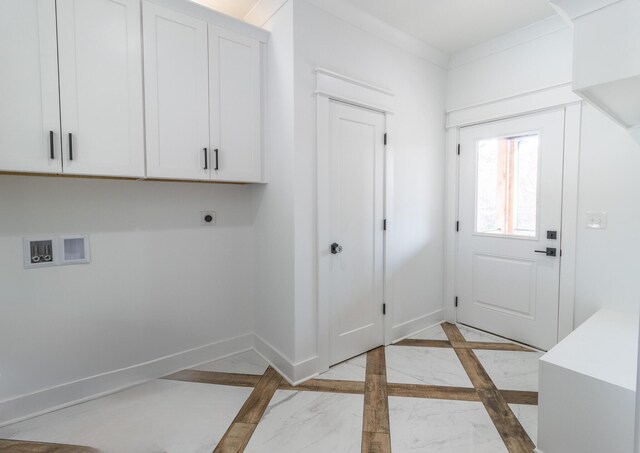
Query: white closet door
{"x": 29, "y": 109}
{"x": 176, "y": 94}
{"x": 234, "y": 67}
{"x": 101, "y": 87}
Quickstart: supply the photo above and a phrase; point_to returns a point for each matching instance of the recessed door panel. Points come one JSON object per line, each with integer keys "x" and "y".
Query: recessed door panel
{"x": 234, "y": 68}
{"x": 514, "y": 295}
{"x": 29, "y": 108}
{"x": 176, "y": 94}
{"x": 101, "y": 87}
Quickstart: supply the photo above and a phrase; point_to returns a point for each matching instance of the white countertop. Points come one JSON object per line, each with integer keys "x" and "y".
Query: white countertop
{"x": 605, "y": 347}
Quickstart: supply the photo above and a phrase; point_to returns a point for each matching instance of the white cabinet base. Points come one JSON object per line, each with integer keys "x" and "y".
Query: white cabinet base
{"x": 588, "y": 388}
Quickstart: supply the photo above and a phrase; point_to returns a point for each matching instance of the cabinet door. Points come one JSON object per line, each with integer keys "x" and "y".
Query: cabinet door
{"x": 101, "y": 100}
{"x": 234, "y": 68}
{"x": 29, "y": 110}
{"x": 176, "y": 94}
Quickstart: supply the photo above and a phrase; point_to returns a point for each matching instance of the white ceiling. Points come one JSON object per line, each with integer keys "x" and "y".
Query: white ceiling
{"x": 454, "y": 25}
{"x": 235, "y": 8}
{"x": 447, "y": 25}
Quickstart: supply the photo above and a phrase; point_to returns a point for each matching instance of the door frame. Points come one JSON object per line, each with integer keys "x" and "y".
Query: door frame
{"x": 560, "y": 96}
{"x": 331, "y": 86}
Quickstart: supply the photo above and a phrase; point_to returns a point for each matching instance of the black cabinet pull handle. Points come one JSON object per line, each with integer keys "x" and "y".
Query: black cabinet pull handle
{"x": 70, "y": 146}
{"x": 217, "y": 159}
{"x": 52, "y": 152}
{"x": 206, "y": 159}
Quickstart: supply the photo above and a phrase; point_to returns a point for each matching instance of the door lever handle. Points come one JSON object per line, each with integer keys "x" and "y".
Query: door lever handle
{"x": 550, "y": 251}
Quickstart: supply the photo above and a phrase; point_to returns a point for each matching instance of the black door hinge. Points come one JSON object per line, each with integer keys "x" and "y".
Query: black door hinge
{"x": 458, "y": 149}
{"x": 384, "y": 225}
{"x": 385, "y": 138}
{"x": 384, "y": 309}
{"x": 456, "y": 301}
{"x": 457, "y": 225}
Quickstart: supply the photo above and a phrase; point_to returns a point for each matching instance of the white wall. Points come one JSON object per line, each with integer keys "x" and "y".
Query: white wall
{"x": 274, "y": 247}
{"x": 536, "y": 58}
{"x": 159, "y": 283}
{"x": 608, "y": 268}
{"x": 529, "y": 59}
{"x": 416, "y": 225}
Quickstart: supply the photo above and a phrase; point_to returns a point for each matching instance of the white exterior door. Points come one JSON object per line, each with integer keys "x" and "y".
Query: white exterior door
{"x": 100, "y": 50}
{"x": 508, "y": 266}
{"x": 356, "y": 146}
{"x": 29, "y": 107}
{"x": 176, "y": 94}
{"x": 234, "y": 68}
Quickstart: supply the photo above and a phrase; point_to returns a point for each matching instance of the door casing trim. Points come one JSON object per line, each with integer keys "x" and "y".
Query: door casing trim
{"x": 332, "y": 86}
{"x": 526, "y": 104}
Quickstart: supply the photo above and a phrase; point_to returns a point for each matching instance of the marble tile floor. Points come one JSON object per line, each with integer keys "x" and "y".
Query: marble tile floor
{"x": 417, "y": 398}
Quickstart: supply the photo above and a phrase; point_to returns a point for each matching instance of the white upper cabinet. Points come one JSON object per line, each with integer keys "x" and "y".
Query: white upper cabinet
{"x": 176, "y": 94}
{"x": 101, "y": 98}
{"x": 29, "y": 110}
{"x": 235, "y": 82}
{"x": 83, "y": 83}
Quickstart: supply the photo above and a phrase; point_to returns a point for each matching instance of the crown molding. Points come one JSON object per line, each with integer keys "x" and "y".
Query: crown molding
{"x": 577, "y": 8}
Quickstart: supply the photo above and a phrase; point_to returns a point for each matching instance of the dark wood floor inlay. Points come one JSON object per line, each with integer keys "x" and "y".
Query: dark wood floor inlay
{"x": 513, "y": 434}
{"x": 520, "y": 397}
{"x": 326, "y": 385}
{"x": 432, "y": 392}
{"x": 491, "y": 346}
{"x": 424, "y": 343}
{"x": 237, "y": 436}
{"x": 23, "y": 446}
{"x": 215, "y": 377}
{"x": 376, "y": 437}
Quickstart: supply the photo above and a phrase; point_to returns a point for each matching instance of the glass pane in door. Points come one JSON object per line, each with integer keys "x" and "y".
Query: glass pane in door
{"x": 507, "y": 185}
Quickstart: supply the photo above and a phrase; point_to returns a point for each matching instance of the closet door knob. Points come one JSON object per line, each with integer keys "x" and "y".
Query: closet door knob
{"x": 336, "y": 248}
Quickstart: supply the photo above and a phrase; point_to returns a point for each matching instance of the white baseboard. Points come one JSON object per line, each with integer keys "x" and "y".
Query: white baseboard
{"x": 275, "y": 358}
{"x": 409, "y": 328}
{"x": 71, "y": 393}
{"x": 294, "y": 373}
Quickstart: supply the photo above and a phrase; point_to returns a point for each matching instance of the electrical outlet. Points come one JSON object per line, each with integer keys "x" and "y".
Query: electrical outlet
{"x": 597, "y": 220}
{"x": 208, "y": 218}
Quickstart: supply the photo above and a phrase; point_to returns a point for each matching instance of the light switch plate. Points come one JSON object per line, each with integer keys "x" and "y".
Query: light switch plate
{"x": 597, "y": 220}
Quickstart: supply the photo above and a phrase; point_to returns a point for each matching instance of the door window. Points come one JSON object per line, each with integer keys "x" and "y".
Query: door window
{"x": 507, "y": 185}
